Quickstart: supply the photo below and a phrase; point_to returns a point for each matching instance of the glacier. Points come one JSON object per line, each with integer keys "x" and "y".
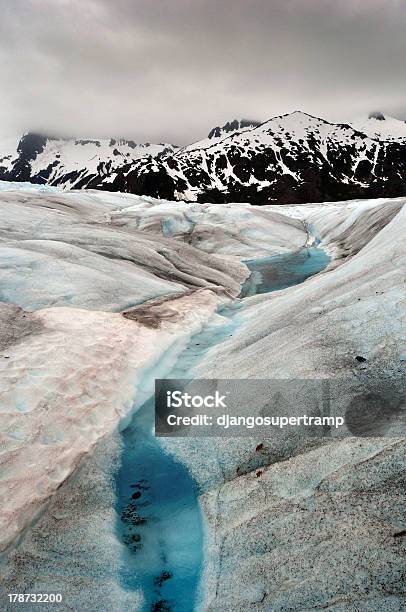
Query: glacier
{"x": 129, "y": 283}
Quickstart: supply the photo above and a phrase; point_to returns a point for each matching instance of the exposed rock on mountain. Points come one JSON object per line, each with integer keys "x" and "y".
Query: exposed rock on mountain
{"x": 232, "y": 126}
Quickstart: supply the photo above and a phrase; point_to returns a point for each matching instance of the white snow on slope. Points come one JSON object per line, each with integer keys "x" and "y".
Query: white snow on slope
{"x": 278, "y": 133}
{"x": 73, "y": 155}
{"x": 387, "y": 129}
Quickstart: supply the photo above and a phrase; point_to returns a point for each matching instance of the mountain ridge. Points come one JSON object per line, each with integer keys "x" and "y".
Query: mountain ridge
{"x": 72, "y": 161}
{"x": 291, "y": 158}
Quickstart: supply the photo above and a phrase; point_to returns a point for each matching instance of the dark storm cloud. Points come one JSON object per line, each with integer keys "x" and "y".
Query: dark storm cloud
{"x": 171, "y": 69}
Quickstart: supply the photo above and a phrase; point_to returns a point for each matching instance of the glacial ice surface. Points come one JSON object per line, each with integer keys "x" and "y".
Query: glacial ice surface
{"x": 63, "y": 250}
{"x": 71, "y": 375}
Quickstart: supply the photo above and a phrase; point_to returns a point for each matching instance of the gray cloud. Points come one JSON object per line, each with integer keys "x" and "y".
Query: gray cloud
{"x": 169, "y": 70}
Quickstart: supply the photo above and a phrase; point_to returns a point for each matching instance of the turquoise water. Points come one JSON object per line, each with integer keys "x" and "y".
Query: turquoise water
{"x": 163, "y": 527}
{"x": 159, "y": 517}
{"x": 160, "y": 520}
{"x": 282, "y": 271}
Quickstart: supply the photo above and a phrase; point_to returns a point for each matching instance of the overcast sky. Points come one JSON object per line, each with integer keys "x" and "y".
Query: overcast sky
{"x": 169, "y": 70}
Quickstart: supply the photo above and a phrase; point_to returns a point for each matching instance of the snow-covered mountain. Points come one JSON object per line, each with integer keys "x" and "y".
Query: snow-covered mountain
{"x": 72, "y": 162}
{"x": 291, "y": 158}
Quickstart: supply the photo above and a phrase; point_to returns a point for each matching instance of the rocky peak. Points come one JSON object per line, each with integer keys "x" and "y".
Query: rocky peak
{"x": 232, "y": 126}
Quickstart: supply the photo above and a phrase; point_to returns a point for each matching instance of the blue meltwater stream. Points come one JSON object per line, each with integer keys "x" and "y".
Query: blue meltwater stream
{"x": 159, "y": 517}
